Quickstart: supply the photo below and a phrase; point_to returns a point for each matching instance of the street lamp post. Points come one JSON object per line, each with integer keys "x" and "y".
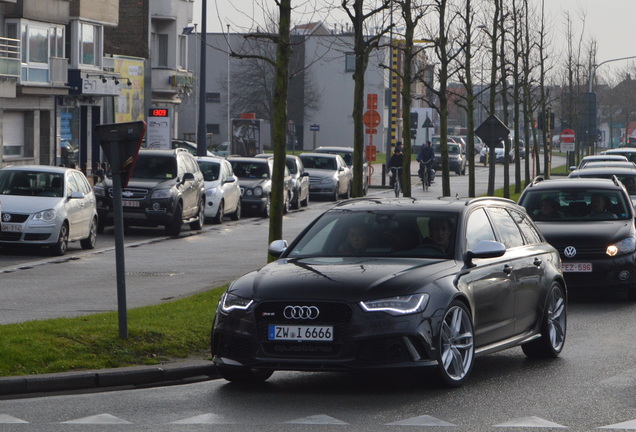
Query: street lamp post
{"x": 229, "y": 120}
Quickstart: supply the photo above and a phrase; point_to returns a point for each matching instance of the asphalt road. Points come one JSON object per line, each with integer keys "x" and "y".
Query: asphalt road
{"x": 158, "y": 268}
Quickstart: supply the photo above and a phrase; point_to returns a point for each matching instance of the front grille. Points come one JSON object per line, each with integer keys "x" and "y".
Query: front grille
{"x": 582, "y": 253}
{"x": 14, "y": 217}
{"x": 37, "y": 237}
{"x": 131, "y": 193}
{"x": 10, "y": 236}
{"x": 336, "y": 314}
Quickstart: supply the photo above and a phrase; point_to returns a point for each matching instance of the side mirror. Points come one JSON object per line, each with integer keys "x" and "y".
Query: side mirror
{"x": 485, "y": 249}
{"x": 229, "y": 179}
{"x": 277, "y": 247}
{"x": 188, "y": 176}
{"x": 76, "y": 195}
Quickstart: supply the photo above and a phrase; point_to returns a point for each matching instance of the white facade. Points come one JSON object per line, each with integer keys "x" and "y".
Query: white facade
{"x": 325, "y": 57}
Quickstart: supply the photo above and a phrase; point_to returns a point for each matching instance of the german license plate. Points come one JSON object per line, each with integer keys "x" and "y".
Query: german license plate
{"x": 128, "y": 203}
{"x": 576, "y": 267}
{"x": 9, "y": 227}
{"x": 300, "y": 333}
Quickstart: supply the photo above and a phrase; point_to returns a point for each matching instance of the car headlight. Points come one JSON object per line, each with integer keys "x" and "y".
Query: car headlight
{"x": 230, "y": 302}
{"x": 45, "y": 215}
{"x": 627, "y": 245}
{"x": 258, "y": 191}
{"x": 400, "y": 305}
{"x": 328, "y": 180}
{"x": 161, "y": 194}
{"x": 211, "y": 192}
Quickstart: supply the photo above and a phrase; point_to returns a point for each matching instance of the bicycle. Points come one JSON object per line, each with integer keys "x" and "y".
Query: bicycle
{"x": 397, "y": 186}
{"x": 426, "y": 175}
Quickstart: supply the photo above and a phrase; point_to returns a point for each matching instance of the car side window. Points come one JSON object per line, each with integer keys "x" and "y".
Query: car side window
{"x": 71, "y": 184}
{"x": 529, "y": 231}
{"x": 478, "y": 229}
{"x": 82, "y": 184}
{"x": 507, "y": 229}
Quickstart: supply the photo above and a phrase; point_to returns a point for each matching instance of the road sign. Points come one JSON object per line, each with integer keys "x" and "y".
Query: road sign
{"x": 314, "y": 127}
{"x": 492, "y": 129}
{"x": 568, "y": 136}
{"x": 371, "y": 119}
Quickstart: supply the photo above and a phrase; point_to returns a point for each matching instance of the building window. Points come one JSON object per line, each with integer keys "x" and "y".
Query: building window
{"x": 89, "y": 44}
{"x": 213, "y": 129}
{"x": 39, "y": 41}
{"x": 13, "y": 137}
{"x": 213, "y": 97}
{"x": 350, "y": 62}
{"x": 183, "y": 53}
{"x": 162, "y": 50}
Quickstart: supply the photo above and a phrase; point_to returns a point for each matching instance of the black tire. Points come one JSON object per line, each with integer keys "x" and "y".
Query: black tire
{"x": 295, "y": 204}
{"x": 101, "y": 224}
{"x": 90, "y": 241}
{"x": 174, "y": 227}
{"x": 455, "y": 346}
{"x": 60, "y": 247}
{"x": 348, "y": 192}
{"x": 198, "y": 224}
{"x": 553, "y": 327}
{"x": 244, "y": 375}
{"x": 336, "y": 195}
{"x": 220, "y": 213}
{"x": 305, "y": 202}
{"x": 286, "y": 202}
{"x": 237, "y": 214}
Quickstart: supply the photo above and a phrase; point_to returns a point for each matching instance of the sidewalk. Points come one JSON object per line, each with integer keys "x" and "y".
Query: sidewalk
{"x": 177, "y": 372}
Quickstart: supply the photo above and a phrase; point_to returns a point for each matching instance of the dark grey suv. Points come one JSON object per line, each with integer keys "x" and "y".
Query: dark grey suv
{"x": 166, "y": 188}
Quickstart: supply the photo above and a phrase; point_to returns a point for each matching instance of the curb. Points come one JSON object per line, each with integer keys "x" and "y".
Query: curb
{"x": 128, "y": 376}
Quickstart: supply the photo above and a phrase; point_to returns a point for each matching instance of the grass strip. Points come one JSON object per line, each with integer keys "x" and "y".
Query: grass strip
{"x": 156, "y": 334}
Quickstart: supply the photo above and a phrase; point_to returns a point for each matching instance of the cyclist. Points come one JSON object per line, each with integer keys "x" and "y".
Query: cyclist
{"x": 425, "y": 157}
{"x": 395, "y": 162}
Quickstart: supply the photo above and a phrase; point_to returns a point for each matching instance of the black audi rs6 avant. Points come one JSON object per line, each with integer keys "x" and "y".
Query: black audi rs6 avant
{"x": 396, "y": 283}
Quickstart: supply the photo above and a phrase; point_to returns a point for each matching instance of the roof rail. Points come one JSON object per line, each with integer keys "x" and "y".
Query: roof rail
{"x": 486, "y": 198}
{"x": 536, "y": 180}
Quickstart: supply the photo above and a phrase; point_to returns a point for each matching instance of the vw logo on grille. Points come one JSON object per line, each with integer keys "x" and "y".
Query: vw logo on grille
{"x": 301, "y": 312}
{"x": 570, "y": 251}
{"x": 6, "y": 217}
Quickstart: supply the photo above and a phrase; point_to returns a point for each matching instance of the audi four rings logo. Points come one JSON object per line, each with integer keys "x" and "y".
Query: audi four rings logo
{"x": 301, "y": 312}
{"x": 6, "y": 217}
{"x": 570, "y": 251}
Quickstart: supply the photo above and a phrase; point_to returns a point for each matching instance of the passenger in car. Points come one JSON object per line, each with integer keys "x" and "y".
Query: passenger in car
{"x": 439, "y": 234}
{"x": 356, "y": 241}
{"x": 549, "y": 209}
{"x": 598, "y": 208}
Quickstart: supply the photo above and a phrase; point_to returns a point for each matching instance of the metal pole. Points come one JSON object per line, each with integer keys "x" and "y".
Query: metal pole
{"x": 197, "y": 89}
{"x": 202, "y": 130}
{"x": 229, "y": 120}
{"x": 120, "y": 266}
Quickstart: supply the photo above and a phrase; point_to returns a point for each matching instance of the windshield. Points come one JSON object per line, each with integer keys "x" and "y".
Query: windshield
{"x": 31, "y": 183}
{"x": 210, "y": 170}
{"x": 577, "y": 205}
{"x": 379, "y": 234}
{"x": 319, "y": 162}
{"x": 250, "y": 170}
{"x": 155, "y": 167}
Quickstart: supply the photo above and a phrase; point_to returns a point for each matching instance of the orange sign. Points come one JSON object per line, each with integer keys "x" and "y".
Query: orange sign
{"x": 371, "y": 119}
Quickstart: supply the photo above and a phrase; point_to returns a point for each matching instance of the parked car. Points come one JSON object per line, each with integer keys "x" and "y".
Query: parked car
{"x": 608, "y": 164}
{"x": 628, "y": 152}
{"x": 221, "y": 150}
{"x": 255, "y": 178}
{"x": 300, "y": 180}
{"x": 178, "y": 143}
{"x": 396, "y": 283}
{"x": 499, "y": 153}
{"x": 222, "y": 189}
{"x": 329, "y": 175}
{"x": 626, "y": 175}
{"x": 456, "y": 158}
{"x": 592, "y": 228}
{"x": 47, "y": 206}
{"x": 166, "y": 189}
{"x": 347, "y": 154}
{"x": 599, "y": 158}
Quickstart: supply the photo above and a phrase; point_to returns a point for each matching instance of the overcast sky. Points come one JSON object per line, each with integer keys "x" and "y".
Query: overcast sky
{"x": 609, "y": 22}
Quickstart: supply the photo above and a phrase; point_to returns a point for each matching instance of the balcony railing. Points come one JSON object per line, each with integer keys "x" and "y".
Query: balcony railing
{"x": 10, "y": 57}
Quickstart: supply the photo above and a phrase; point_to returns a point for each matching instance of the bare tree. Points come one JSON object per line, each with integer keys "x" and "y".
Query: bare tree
{"x": 363, "y": 46}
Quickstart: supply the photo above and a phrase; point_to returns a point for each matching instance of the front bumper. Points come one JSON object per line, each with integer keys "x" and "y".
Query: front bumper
{"x": 361, "y": 340}
{"x": 610, "y": 274}
{"x": 158, "y": 212}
